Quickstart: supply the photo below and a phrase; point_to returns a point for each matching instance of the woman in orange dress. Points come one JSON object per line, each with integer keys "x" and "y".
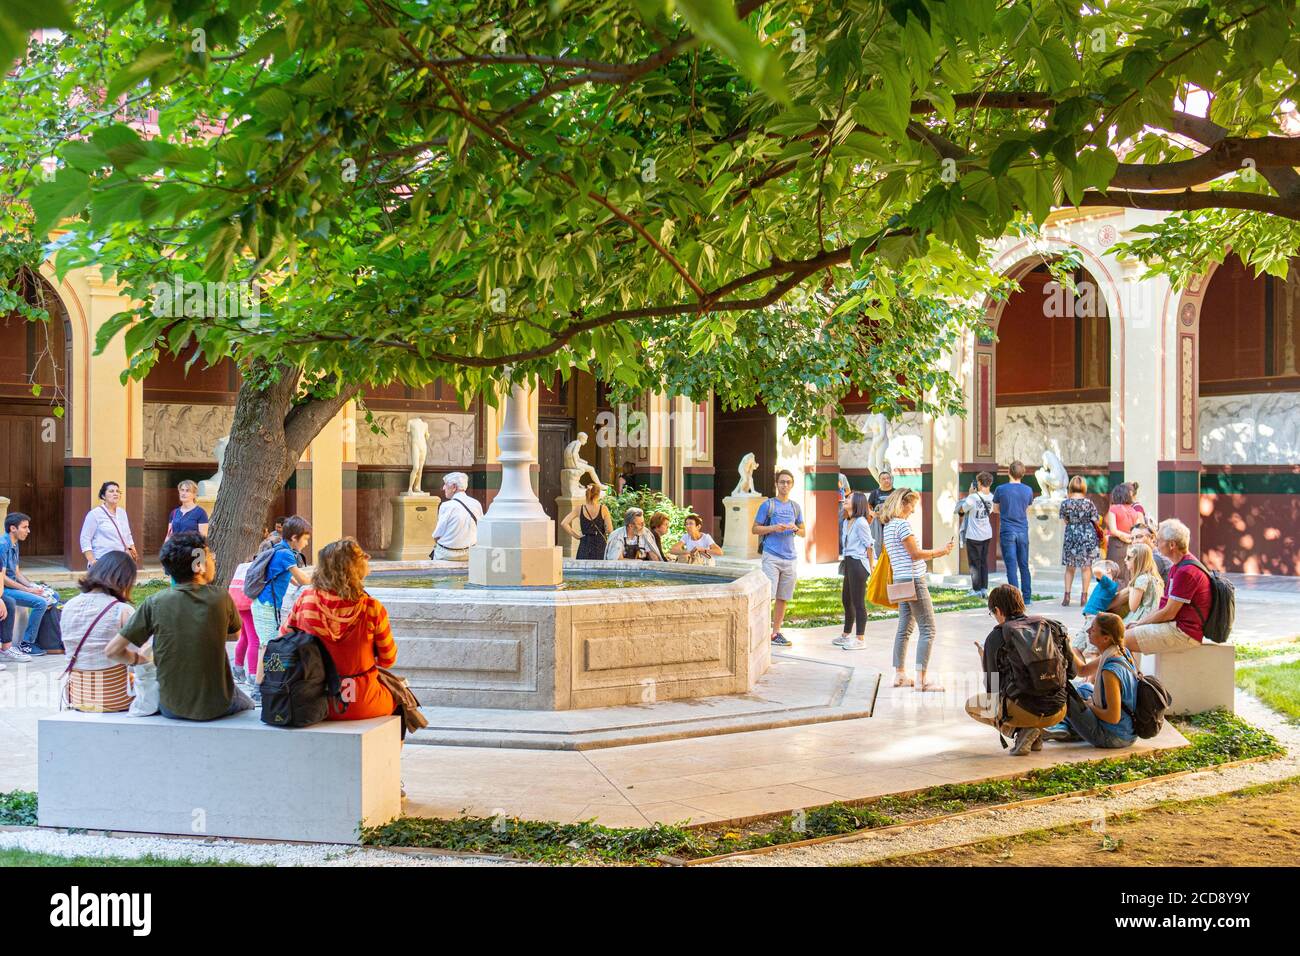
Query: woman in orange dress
{"x": 353, "y": 627}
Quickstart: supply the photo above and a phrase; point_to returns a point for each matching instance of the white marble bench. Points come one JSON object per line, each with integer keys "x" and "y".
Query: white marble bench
{"x": 1200, "y": 678}
{"x": 234, "y": 777}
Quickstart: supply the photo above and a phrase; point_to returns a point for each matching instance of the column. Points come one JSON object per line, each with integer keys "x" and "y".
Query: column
{"x": 698, "y": 471}
{"x": 822, "y": 500}
{"x": 327, "y": 482}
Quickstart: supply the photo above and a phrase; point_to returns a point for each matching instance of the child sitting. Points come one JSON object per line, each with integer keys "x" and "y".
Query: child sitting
{"x": 1100, "y": 598}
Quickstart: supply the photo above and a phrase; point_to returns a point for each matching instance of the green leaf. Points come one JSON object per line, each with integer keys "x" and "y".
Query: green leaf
{"x": 149, "y": 60}
{"x": 715, "y": 23}
{"x": 1036, "y": 190}
{"x": 54, "y": 201}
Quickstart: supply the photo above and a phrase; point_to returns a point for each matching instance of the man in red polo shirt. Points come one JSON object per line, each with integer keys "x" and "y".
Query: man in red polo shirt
{"x": 1178, "y": 624}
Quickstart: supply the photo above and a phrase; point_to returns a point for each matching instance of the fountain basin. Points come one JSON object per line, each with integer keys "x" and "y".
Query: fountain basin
{"x": 701, "y": 632}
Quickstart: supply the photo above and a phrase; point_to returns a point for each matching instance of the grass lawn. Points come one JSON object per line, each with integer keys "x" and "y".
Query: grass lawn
{"x": 817, "y": 603}
{"x": 1277, "y": 685}
{"x": 24, "y": 858}
{"x": 140, "y": 592}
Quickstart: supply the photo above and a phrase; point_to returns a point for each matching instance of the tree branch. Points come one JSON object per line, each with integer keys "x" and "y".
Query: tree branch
{"x": 1200, "y": 199}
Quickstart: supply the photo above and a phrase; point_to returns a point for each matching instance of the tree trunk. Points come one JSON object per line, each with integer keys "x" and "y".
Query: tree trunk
{"x": 267, "y": 438}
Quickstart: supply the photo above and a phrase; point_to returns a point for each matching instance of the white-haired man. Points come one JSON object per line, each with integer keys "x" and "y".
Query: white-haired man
{"x": 457, "y": 529}
{"x": 1178, "y": 624}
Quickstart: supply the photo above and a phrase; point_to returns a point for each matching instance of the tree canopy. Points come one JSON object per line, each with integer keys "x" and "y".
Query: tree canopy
{"x": 775, "y": 200}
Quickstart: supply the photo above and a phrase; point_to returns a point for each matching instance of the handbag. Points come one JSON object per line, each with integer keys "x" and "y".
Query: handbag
{"x": 902, "y": 591}
{"x": 882, "y": 577}
{"x": 408, "y": 705}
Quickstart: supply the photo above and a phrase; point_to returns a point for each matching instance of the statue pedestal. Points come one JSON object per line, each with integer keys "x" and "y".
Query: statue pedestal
{"x": 207, "y": 503}
{"x": 1046, "y": 535}
{"x": 738, "y": 540}
{"x": 414, "y": 518}
{"x": 563, "y": 506}
{"x": 515, "y": 552}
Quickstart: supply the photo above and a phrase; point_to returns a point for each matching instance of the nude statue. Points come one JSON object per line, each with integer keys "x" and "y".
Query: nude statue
{"x": 745, "y": 487}
{"x": 1052, "y": 478}
{"x": 417, "y": 430}
{"x": 877, "y": 428}
{"x": 209, "y": 487}
{"x": 576, "y": 468}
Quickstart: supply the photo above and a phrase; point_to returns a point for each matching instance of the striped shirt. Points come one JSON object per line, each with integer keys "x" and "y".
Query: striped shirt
{"x": 899, "y": 560}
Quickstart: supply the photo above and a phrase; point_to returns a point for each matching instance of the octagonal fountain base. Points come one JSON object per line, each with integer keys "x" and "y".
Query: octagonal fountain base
{"x": 703, "y": 632}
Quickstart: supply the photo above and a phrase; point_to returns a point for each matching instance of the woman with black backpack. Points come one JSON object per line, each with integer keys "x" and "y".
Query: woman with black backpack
{"x": 1102, "y": 714}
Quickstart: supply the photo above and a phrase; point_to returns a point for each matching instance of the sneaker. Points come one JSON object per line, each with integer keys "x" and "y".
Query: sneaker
{"x": 4, "y": 667}
{"x": 780, "y": 640}
{"x": 31, "y": 650}
{"x": 1059, "y": 733}
{"x": 855, "y": 644}
{"x": 1037, "y": 745}
{"x": 1025, "y": 737}
{"x": 841, "y": 640}
{"x": 255, "y": 693}
{"x": 241, "y": 675}
{"x": 14, "y": 654}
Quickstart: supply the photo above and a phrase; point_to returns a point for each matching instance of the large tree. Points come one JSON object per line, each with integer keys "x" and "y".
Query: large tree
{"x": 778, "y": 200}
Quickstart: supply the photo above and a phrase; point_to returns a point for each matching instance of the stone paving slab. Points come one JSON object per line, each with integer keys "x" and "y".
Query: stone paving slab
{"x": 794, "y": 691}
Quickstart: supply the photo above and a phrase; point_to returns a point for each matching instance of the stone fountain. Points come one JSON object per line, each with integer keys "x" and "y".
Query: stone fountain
{"x": 518, "y": 635}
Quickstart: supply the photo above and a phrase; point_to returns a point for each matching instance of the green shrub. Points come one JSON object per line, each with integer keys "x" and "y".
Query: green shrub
{"x": 18, "y": 808}
{"x": 650, "y": 501}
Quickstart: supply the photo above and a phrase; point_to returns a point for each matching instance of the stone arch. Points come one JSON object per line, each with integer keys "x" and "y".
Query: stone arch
{"x": 1015, "y": 262}
{"x": 77, "y": 346}
{"x": 1186, "y": 344}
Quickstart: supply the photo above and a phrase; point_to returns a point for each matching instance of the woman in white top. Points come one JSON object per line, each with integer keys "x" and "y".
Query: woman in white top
{"x": 1147, "y": 586}
{"x": 696, "y": 547}
{"x": 90, "y": 620}
{"x": 977, "y": 507}
{"x": 907, "y": 561}
{"x": 107, "y": 527}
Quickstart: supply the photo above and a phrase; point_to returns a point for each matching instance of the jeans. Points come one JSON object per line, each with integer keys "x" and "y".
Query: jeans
{"x": 977, "y": 553}
{"x": 910, "y": 614}
{"x": 7, "y": 625}
{"x": 36, "y": 605}
{"x": 1015, "y": 552}
{"x": 853, "y": 595}
{"x": 1080, "y": 719}
{"x": 240, "y": 704}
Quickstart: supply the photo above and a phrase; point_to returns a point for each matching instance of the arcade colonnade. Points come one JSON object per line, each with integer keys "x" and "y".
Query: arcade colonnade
{"x": 1194, "y": 394}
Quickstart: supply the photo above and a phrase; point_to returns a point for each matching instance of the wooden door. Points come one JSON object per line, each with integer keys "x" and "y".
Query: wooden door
{"x": 554, "y": 435}
{"x": 736, "y": 433}
{"x": 31, "y": 474}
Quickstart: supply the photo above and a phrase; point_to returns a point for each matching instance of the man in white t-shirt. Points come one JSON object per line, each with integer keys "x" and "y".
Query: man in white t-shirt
{"x": 457, "y": 529}
{"x": 977, "y": 507}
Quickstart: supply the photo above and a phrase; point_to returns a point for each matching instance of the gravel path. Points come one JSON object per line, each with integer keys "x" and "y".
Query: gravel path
{"x": 223, "y": 851}
{"x": 1001, "y": 823}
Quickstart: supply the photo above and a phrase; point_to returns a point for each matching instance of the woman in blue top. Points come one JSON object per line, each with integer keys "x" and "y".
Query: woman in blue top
{"x": 287, "y": 567}
{"x": 1104, "y": 716}
{"x": 859, "y": 555}
{"x": 189, "y": 516}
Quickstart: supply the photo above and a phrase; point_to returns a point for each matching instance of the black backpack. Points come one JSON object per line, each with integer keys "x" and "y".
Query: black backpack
{"x": 298, "y": 681}
{"x": 1030, "y": 660}
{"x": 1153, "y": 700}
{"x": 1217, "y": 625}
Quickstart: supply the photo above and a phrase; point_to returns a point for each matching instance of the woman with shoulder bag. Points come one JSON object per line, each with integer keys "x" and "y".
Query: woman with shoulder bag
{"x": 96, "y": 684}
{"x": 911, "y": 587}
{"x": 859, "y": 554}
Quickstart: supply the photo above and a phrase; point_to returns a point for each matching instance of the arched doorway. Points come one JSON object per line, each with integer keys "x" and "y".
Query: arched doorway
{"x": 34, "y": 356}
{"x": 1246, "y": 417}
{"x": 737, "y": 432}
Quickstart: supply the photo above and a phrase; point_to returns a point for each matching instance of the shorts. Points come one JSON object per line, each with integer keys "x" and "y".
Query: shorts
{"x": 1161, "y": 638}
{"x": 781, "y": 572}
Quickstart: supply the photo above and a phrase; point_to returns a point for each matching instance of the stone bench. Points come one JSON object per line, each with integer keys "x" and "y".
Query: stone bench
{"x": 1200, "y": 679}
{"x": 234, "y": 777}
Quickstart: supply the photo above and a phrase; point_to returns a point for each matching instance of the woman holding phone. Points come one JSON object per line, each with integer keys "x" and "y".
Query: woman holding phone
{"x": 907, "y": 560}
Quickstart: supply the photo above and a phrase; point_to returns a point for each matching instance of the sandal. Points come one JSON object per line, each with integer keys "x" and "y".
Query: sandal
{"x": 904, "y": 682}
{"x": 930, "y": 689}
{"x": 1065, "y": 601}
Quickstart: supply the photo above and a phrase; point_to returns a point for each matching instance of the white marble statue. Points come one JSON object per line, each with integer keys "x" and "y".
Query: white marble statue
{"x": 745, "y": 487}
{"x": 417, "y": 431}
{"x": 876, "y": 426}
{"x": 576, "y": 468}
{"x": 209, "y": 487}
{"x": 1052, "y": 478}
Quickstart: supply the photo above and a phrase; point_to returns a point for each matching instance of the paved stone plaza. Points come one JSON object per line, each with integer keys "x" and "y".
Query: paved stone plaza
{"x": 912, "y": 741}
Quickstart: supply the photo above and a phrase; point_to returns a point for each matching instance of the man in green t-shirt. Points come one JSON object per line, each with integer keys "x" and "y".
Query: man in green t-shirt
{"x": 190, "y": 625}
